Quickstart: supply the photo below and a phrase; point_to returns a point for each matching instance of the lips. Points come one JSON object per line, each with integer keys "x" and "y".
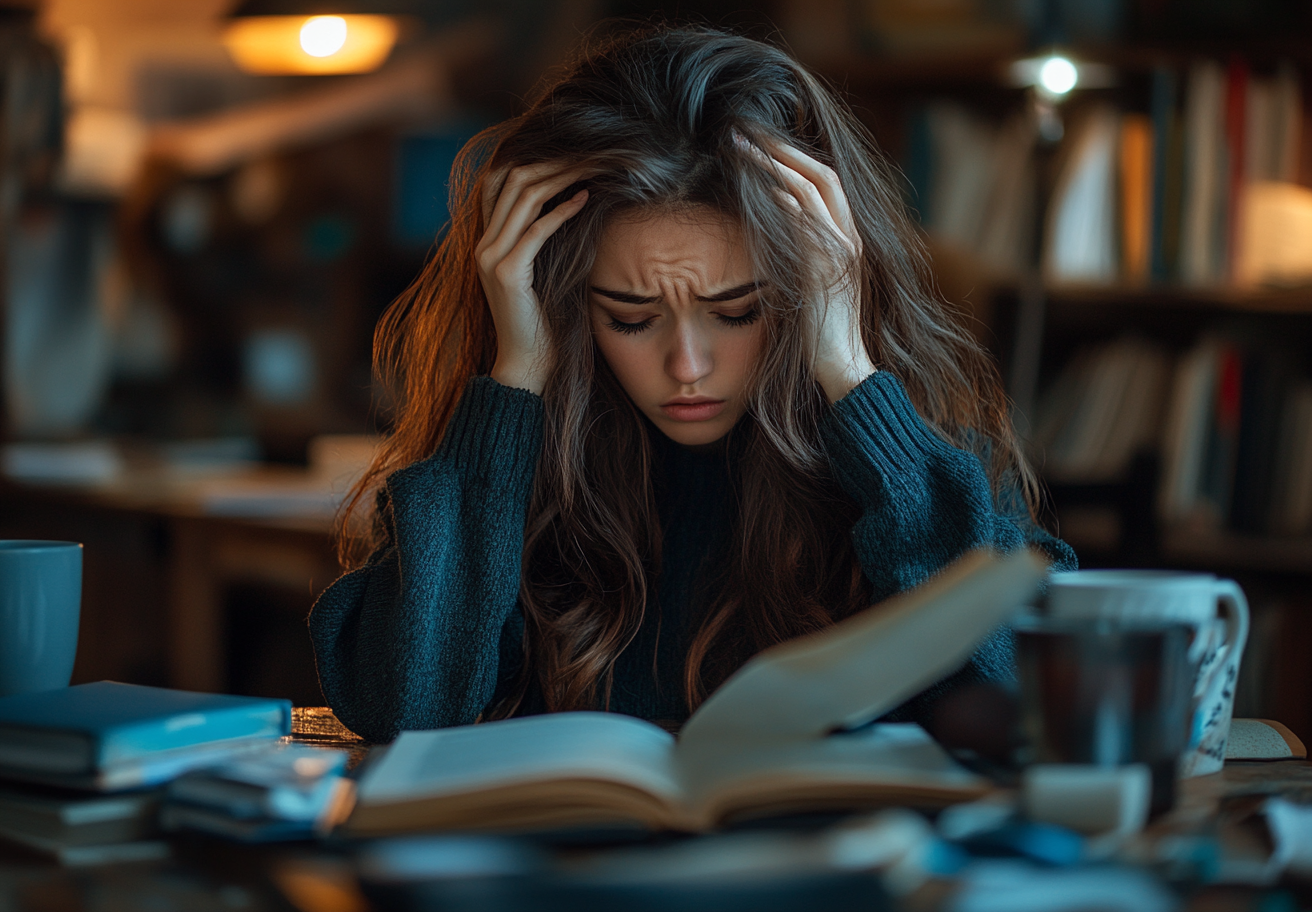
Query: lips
{"x": 697, "y": 408}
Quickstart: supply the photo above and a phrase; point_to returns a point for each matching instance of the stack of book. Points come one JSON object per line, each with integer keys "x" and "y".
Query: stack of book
{"x": 286, "y": 792}
{"x": 81, "y": 768}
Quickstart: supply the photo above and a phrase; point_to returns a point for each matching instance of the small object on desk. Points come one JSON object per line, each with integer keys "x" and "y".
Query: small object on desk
{"x": 107, "y": 736}
{"x": 1290, "y": 826}
{"x": 79, "y": 830}
{"x": 1046, "y": 843}
{"x": 261, "y": 829}
{"x": 287, "y": 782}
{"x": 1016, "y": 886}
{"x": 1094, "y": 800}
{"x": 289, "y": 791}
{"x": 1263, "y": 739}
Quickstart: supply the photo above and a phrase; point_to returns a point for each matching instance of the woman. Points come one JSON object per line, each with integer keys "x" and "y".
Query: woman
{"x": 675, "y": 387}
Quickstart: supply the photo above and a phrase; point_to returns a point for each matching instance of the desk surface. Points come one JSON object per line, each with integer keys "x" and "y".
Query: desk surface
{"x": 209, "y": 875}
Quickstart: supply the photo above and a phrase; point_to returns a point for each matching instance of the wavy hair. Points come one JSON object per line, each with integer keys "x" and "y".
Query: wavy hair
{"x": 652, "y": 114}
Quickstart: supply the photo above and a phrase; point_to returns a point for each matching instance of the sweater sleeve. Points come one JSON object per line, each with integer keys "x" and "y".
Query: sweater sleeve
{"x": 924, "y": 503}
{"x": 410, "y": 640}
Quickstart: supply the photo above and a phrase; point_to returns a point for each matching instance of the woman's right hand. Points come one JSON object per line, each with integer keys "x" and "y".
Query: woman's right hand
{"x": 512, "y": 239}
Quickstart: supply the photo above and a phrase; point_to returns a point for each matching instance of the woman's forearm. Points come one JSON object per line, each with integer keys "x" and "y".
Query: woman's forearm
{"x": 410, "y": 640}
{"x": 924, "y": 502}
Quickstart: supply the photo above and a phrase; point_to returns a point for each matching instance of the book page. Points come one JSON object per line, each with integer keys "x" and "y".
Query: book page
{"x": 862, "y": 667}
{"x": 496, "y": 755}
{"x": 877, "y": 764}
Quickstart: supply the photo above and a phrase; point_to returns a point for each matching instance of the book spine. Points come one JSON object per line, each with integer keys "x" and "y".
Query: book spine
{"x": 1164, "y": 169}
{"x": 1136, "y": 195}
{"x": 267, "y": 720}
{"x": 1219, "y": 462}
{"x": 1236, "y": 118}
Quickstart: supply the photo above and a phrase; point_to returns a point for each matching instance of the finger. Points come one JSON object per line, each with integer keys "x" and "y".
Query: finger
{"x": 806, "y": 192}
{"x": 528, "y": 179}
{"x": 493, "y": 250}
{"x": 492, "y": 186}
{"x": 532, "y": 239}
{"x": 507, "y": 189}
{"x": 824, "y": 178}
{"x": 811, "y": 200}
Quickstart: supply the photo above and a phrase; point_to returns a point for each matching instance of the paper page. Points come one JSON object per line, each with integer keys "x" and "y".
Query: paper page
{"x": 472, "y": 758}
{"x": 862, "y": 667}
{"x": 898, "y": 757}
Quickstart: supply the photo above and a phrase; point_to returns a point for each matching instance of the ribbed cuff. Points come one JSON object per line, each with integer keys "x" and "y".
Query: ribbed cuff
{"x": 874, "y": 435}
{"x": 494, "y": 437}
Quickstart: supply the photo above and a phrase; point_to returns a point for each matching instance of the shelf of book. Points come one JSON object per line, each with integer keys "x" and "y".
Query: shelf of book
{"x": 1226, "y": 298}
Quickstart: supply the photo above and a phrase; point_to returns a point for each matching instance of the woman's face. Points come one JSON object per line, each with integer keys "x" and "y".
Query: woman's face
{"x": 675, "y": 314}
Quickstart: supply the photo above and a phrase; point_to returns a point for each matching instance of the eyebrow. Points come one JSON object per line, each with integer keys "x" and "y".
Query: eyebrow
{"x": 729, "y": 294}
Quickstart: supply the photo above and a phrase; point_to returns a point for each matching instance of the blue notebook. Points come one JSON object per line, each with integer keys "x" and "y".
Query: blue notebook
{"x": 91, "y": 728}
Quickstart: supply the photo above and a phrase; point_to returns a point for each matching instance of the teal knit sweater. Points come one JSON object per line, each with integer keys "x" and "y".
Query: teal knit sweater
{"x": 427, "y": 634}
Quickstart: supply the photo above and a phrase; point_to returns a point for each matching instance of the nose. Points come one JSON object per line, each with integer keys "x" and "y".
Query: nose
{"x": 689, "y": 358}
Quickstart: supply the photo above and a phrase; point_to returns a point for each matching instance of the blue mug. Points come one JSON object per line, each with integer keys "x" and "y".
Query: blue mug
{"x": 40, "y": 605}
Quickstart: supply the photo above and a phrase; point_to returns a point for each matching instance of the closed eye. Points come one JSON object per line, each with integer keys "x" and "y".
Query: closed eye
{"x": 743, "y": 319}
{"x": 629, "y": 328}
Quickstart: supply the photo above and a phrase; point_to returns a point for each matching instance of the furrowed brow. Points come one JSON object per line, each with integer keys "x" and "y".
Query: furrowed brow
{"x": 732, "y": 294}
{"x": 624, "y": 297}
{"x": 729, "y": 294}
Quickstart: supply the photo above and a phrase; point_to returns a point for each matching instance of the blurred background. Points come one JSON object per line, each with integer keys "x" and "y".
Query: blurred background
{"x": 205, "y": 206}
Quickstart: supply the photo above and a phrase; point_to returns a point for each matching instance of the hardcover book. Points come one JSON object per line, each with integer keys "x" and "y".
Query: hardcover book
{"x": 790, "y": 730}
{"x": 109, "y": 735}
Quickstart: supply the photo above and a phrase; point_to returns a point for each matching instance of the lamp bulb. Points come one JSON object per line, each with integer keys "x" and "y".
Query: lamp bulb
{"x": 1058, "y": 75}
{"x": 323, "y": 36}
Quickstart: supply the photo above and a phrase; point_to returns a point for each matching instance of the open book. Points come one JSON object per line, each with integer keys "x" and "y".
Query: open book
{"x": 787, "y": 731}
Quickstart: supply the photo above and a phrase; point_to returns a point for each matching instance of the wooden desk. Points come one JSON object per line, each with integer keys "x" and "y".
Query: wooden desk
{"x": 156, "y": 565}
{"x": 211, "y": 876}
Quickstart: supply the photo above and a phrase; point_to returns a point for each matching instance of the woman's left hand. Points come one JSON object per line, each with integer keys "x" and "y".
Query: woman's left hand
{"x": 840, "y": 361}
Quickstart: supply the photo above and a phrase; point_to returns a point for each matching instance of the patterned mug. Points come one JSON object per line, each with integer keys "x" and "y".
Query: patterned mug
{"x": 1214, "y": 608}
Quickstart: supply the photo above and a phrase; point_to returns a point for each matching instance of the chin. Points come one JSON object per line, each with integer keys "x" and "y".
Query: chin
{"x": 694, "y": 433}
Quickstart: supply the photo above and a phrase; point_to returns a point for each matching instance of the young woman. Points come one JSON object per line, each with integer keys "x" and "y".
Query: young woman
{"x": 674, "y": 388}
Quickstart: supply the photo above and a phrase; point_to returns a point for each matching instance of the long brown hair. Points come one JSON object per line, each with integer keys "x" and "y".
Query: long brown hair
{"x": 653, "y": 114}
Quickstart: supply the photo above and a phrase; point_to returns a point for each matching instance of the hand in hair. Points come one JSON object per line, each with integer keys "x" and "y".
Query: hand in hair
{"x": 512, "y": 237}
{"x": 840, "y": 360}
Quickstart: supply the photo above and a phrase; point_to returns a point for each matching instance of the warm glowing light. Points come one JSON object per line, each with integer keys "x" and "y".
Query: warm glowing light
{"x": 323, "y": 36}
{"x": 317, "y": 45}
{"x": 1058, "y": 75}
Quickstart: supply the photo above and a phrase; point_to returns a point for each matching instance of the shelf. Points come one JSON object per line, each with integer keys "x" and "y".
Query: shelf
{"x": 1227, "y": 552}
{"x": 986, "y": 66}
{"x": 930, "y": 71}
{"x": 1244, "y": 300}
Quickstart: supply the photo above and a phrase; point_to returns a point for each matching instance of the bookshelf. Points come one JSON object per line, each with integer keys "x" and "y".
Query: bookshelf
{"x": 1042, "y": 315}
{"x": 1040, "y": 321}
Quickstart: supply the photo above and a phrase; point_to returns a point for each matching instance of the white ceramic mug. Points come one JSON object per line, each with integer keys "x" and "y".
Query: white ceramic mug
{"x": 1215, "y": 608}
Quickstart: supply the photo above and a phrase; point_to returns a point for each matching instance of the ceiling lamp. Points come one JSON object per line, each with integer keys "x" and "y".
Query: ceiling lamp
{"x": 310, "y": 45}
{"x": 1053, "y": 76}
